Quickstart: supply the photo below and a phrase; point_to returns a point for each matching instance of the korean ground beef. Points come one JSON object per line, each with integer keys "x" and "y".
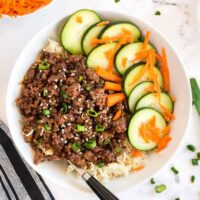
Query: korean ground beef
{"x": 64, "y": 113}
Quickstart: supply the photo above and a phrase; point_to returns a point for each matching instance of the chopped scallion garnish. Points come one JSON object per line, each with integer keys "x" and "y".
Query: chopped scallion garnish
{"x": 99, "y": 128}
{"x": 76, "y": 146}
{"x": 191, "y": 147}
{"x": 152, "y": 181}
{"x": 117, "y": 149}
{"x": 64, "y": 108}
{"x": 198, "y": 155}
{"x": 106, "y": 141}
{"x": 192, "y": 179}
{"x": 64, "y": 94}
{"x": 45, "y": 92}
{"x": 160, "y": 188}
{"x": 80, "y": 79}
{"x": 100, "y": 164}
{"x": 88, "y": 88}
{"x": 47, "y": 127}
{"x": 174, "y": 170}
{"x": 90, "y": 144}
{"x": 157, "y": 12}
{"x": 46, "y": 112}
{"x": 44, "y": 66}
{"x": 80, "y": 128}
{"x": 195, "y": 162}
{"x": 92, "y": 113}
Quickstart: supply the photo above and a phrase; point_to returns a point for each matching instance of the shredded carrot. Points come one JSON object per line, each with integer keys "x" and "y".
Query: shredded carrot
{"x": 158, "y": 57}
{"x": 166, "y": 113}
{"x": 163, "y": 143}
{"x": 15, "y": 8}
{"x": 165, "y": 71}
{"x": 137, "y": 153}
{"x": 112, "y": 86}
{"x": 150, "y": 89}
{"x": 113, "y": 99}
{"x": 79, "y": 19}
{"x": 146, "y": 40}
{"x": 138, "y": 168}
{"x": 117, "y": 115}
{"x": 103, "y": 23}
{"x": 109, "y": 76}
{"x": 124, "y": 62}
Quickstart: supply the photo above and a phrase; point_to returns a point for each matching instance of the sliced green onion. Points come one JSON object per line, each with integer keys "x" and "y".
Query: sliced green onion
{"x": 106, "y": 141}
{"x": 64, "y": 108}
{"x": 192, "y": 179}
{"x": 45, "y": 92}
{"x": 92, "y": 113}
{"x": 174, "y": 170}
{"x": 195, "y": 94}
{"x": 80, "y": 79}
{"x": 191, "y": 147}
{"x": 117, "y": 149}
{"x": 99, "y": 128}
{"x": 39, "y": 121}
{"x": 195, "y": 162}
{"x": 80, "y": 128}
{"x": 160, "y": 188}
{"x": 198, "y": 155}
{"x": 64, "y": 94}
{"x": 47, "y": 127}
{"x": 88, "y": 88}
{"x": 46, "y": 112}
{"x": 90, "y": 144}
{"x": 100, "y": 164}
{"x": 177, "y": 198}
{"x": 157, "y": 12}
{"x": 40, "y": 141}
{"x": 44, "y": 66}
{"x": 152, "y": 181}
{"x": 117, "y": 1}
{"x": 76, "y": 146}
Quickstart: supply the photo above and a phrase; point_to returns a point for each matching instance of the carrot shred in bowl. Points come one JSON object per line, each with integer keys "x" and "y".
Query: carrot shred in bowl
{"x": 15, "y": 8}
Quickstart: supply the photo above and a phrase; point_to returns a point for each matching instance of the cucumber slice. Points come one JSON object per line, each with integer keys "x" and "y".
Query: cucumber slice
{"x": 91, "y": 33}
{"x": 138, "y": 91}
{"x": 151, "y": 100}
{"x": 132, "y": 72}
{"x": 97, "y": 57}
{"x": 116, "y": 28}
{"x": 73, "y": 29}
{"x": 141, "y": 116}
{"x": 128, "y": 51}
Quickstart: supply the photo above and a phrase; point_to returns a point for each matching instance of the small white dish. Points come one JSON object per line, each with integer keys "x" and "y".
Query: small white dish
{"x": 56, "y": 170}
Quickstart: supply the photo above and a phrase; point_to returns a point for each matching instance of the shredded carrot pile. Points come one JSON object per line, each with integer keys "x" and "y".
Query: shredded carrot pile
{"x": 150, "y": 132}
{"x": 117, "y": 115}
{"x": 103, "y": 23}
{"x": 166, "y": 113}
{"x": 163, "y": 143}
{"x": 15, "y": 8}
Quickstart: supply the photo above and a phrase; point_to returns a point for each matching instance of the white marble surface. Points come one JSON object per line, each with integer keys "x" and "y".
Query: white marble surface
{"x": 181, "y": 26}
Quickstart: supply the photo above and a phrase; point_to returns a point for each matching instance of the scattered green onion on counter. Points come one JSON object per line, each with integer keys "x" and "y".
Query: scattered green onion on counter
{"x": 195, "y": 162}
{"x": 157, "y": 12}
{"x": 191, "y": 147}
{"x": 173, "y": 169}
{"x": 198, "y": 155}
{"x": 195, "y": 94}
{"x": 160, "y": 188}
{"x": 152, "y": 181}
{"x": 192, "y": 179}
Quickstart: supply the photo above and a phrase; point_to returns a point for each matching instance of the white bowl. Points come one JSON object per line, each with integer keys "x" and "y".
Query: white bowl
{"x": 55, "y": 170}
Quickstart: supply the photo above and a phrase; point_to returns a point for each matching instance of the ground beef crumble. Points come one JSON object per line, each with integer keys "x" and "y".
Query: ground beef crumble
{"x": 56, "y": 100}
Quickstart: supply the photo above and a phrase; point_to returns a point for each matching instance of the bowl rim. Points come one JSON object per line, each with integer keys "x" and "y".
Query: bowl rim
{"x": 142, "y": 21}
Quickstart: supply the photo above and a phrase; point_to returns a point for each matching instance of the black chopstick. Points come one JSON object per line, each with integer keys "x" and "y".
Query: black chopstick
{"x": 102, "y": 192}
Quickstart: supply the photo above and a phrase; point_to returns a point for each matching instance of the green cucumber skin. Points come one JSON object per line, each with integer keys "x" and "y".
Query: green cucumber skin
{"x": 115, "y": 57}
{"x": 152, "y": 108}
{"x": 84, "y": 35}
{"x": 67, "y": 22}
{"x": 119, "y": 22}
{"x": 140, "y": 97}
{"x": 130, "y": 122}
{"x": 126, "y": 73}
